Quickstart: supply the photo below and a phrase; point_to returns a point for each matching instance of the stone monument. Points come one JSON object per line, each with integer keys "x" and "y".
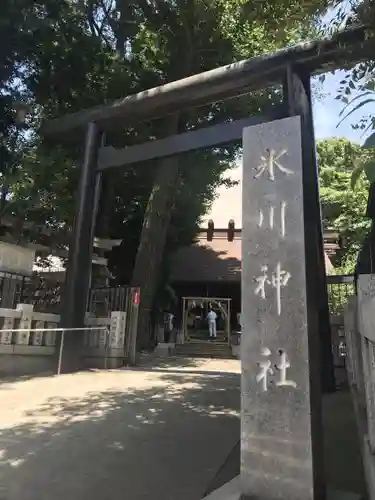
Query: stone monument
{"x": 281, "y": 436}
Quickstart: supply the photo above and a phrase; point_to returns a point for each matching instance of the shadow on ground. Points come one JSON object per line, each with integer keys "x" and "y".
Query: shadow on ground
{"x": 164, "y": 431}
{"x": 184, "y": 364}
{"x": 117, "y": 435}
{"x": 7, "y": 379}
{"x": 180, "y": 362}
{"x": 342, "y": 455}
{"x": 343, "y": 458}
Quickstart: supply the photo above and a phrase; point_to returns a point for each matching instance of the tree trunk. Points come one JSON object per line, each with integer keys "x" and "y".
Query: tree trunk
{"x": 154, "y": 231}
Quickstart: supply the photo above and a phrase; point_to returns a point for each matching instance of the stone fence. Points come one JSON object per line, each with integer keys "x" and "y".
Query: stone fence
{"x": 30, "y": 341}
{"x": 359, "y": 323}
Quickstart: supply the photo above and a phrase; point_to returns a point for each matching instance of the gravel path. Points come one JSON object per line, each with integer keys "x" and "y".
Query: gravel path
{"x": 160, "y": 432}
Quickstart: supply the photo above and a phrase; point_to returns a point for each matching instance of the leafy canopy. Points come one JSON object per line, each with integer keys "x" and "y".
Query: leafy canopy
{"x": 343, "y": 208}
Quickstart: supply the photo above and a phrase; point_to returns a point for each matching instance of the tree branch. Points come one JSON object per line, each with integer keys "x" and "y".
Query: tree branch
{"x": 95, "y": 28}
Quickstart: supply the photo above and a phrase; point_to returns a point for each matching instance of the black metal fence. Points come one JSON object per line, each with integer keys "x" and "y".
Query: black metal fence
{"x": 102, "y": 301}
{"x": 11, "y": 289}
{"x": 340, "y": 288}
{"x": 43, "y": 294}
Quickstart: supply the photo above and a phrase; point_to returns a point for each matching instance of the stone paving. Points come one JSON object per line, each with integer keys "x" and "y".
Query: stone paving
{"x": 168, "y": 430}
{"x": 161, "y": 431}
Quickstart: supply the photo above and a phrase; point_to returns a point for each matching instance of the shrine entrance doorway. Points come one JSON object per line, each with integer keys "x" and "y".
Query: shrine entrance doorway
{"x": 194, "y": 318}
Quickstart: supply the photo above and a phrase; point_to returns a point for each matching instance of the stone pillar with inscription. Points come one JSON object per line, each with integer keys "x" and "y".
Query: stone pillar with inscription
{"x": 281, "y": 435}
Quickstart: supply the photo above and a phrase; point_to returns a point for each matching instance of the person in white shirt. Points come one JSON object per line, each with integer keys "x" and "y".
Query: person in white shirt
{"x": 211, "y": 318}
{"x": 168, "y": 326}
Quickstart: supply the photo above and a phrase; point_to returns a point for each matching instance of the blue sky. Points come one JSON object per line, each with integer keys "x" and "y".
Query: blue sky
{"x": 327, "y": 112}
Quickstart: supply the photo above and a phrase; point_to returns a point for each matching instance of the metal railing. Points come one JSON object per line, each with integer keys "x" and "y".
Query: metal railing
{"x": 54, "y": 338}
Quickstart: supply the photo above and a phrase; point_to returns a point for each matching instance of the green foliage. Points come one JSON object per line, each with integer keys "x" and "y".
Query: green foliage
{"x": 62, "y": 56}
{"x": 338, "y": 295}
{"x": 357, "y": 102}
{"x": 365, "y": 165}
{"x": 357, "y": 92}
{"x": 343, "y": 208}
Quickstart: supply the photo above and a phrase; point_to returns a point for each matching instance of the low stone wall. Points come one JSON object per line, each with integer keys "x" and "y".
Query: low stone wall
{"x": 30, "y": 341}
{"x": 27, "y": 341}
{"x": 26, "y": 360}
{"x": 359, "y": 318}
{"x": 99, "y": 357}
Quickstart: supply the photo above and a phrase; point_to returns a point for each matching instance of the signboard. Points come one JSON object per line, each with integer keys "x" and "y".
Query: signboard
{"x": 16, "y": 259}
{"x": 136, "y": 296}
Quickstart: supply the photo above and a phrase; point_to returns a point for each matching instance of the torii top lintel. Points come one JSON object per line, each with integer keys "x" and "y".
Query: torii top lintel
{"x": 348, "y": 46}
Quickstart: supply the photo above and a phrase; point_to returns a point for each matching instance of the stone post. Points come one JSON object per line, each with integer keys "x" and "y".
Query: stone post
{"x": 50, "y": 337}
{"x": 37, "y": 337}
{"x": 22, "y": 337}
{"x": 281, "y": 437}
{"x": 117, "y": 330}
{"x": 6, "y": 337}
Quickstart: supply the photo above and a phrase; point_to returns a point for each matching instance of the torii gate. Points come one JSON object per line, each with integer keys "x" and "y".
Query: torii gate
{"x": 292, "y": 67}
